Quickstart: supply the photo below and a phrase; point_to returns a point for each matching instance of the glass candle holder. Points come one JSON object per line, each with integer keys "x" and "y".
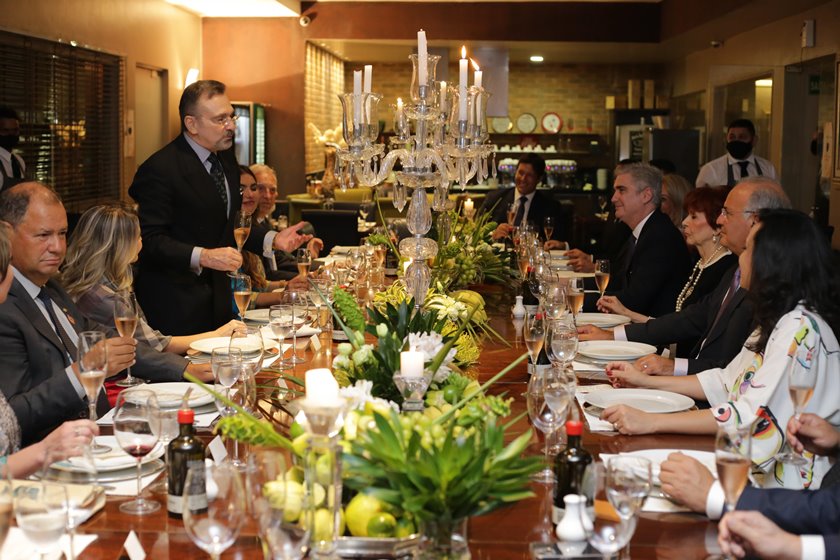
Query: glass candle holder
{"x": 424, "y": 93}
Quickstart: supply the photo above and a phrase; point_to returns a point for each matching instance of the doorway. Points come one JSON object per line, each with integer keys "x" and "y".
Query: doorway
{"x": 808, "y": 107}
{"x": 150, "y": 106}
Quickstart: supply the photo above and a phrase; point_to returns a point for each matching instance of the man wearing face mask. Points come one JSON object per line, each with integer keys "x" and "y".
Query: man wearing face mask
{"x": 12, "y": 167}
{"x": 739, "y": 162}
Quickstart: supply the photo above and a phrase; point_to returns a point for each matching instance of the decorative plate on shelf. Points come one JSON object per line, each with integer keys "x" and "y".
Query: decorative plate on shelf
{"x": 552, "y": 123}
{"x": 500, "y": 124}
{"x": 526, "y": 123}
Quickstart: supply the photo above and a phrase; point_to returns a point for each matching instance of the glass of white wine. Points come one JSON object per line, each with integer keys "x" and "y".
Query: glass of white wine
{"x": 126, "y": 317}
{"x": 801, "y": 381}
{"x": 242, "y": 293}
{"x": 241, "y": 229}
{"x": 602, "y": 275}
{"x": 548, "y": 226}
{"x": 574, "y": 295}
{"x": 304, "y": 261}
{"x": 733, "y": 458}
{"x": 534, "y": 334}
{"x": 93, "y": 361}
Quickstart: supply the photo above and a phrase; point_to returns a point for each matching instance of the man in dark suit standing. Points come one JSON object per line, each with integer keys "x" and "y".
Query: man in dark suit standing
{"x": 528, "y": 204}
{"x": 187, "y": 195}
{"x": 655, "y": 261}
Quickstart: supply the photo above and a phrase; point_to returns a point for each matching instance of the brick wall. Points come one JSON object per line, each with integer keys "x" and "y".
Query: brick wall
{"x": 323, "y": 81}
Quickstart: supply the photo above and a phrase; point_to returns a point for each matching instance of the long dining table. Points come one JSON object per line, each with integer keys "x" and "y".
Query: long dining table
{"x": 505, "y": 534}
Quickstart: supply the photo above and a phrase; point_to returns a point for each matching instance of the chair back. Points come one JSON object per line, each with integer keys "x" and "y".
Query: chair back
{"x": 334, "y": 227}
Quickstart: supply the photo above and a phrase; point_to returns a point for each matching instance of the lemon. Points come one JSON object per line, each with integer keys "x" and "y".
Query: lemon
{"x": 405, "y": 528}
{"x": 359, "y": 511}
{"x": 324, "y": 524}
{"x": 382, "y": 525}
{"x": 299, "y": 444}
{"x": 323, "y": 469}
{"x": 286, "y": 495}
{"x": 295, "y": 474}
{"x": 296, "y": 430}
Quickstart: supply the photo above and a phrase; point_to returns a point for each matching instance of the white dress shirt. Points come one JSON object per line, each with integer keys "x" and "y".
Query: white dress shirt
{"x": 715, "y": 173}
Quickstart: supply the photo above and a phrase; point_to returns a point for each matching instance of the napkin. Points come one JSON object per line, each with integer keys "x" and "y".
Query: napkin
{"x": 18, "y": 547}
{"x": 589, "y": 371}
{"x": 595, "y": 424}
{"x": 76, "y": 493}
{"x": 115, "y": 458}
{"x": 129, "y": 487}
{"x": 343, "y": 249}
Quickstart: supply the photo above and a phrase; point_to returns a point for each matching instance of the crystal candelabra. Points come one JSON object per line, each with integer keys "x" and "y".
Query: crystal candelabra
{"x": 440, "y": 138}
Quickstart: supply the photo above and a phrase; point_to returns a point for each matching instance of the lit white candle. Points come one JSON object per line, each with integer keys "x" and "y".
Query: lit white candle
{"x": 443, "y": 97}
{"x": 422, "y": 58}
{"x": 357, "y": 97}
{"x": 321, "y": 387}
{"x": 411, "y": 363}
{"x": 476, "y": 74}
{"x": 368, "y": 78}
{"x": 462, "y": 85}
{"x": 468, "y": 207}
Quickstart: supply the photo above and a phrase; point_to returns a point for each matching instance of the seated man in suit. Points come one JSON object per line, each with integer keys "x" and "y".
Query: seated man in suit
{"x": 527, "y": 204}
{"x": 655, "y": 261}
{"x": 39, "y": 323}
{"x": 767, "y": 522}
{"x": 722, "y": 322}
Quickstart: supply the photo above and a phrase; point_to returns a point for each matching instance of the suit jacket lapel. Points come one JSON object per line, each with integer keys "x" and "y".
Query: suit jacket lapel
{"x": 720, "y": 327}
{"x": 199, "y": 180}
{"x": 30, "y": 309}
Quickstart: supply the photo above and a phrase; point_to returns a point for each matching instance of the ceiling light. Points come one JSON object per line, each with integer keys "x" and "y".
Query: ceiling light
{"x": 241, "y": 8}
{"x": 537, "y": 58}
{"x": 764, "y": 82}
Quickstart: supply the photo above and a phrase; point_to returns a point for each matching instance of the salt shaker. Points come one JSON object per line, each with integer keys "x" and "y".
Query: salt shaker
{"x": 518, "y": 308}
{"x": 570, "y": 528}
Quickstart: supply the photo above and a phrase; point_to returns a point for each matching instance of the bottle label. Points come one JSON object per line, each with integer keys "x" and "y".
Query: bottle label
{"x": 541, "y": 368}
{"x": 197, "y": 495}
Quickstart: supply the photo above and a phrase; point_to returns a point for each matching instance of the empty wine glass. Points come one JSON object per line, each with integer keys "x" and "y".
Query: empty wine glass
{"x": 167, "y": 431}
{"x": 225, "y": 363}
{"x": 561, "y": 341}
{"x": 41, "y": 513}
{"x": 280, "y": 521}
{"x": 602, "y": 275}
{"x": 297, "y": 301}
{"x": 136, "y": 429}
{"x": 605, "y": 529}
{"x": 93, "y": 361}
{"x": 548, "y": 401}
{"x": 733, "y": 459}
{"x": 126, "y": 316}
{"x": 213, "y": 519}
{"x": 533, "y": 333}
{"x": 282, "y": 323}
{"x": 241, "y": 293}
{"x": 628, "y": 484}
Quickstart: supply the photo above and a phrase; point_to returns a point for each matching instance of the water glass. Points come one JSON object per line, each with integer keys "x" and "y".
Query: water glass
{"x": 281, "y": 321}
{"x": 226, "y": 364}
{"x": 41, "y": 513}
{"x": 561, "y": 341}
{"x": 606, "y": 530}
{"x": 213, "y": 519}
{"x": 548, "y": 402}
{"x": 628, "y": 484}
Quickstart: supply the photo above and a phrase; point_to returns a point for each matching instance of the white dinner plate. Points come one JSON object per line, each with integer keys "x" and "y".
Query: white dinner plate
{"x": 171, "y": 395}
{"x": 247, "y": 346}
{"x": 605, "y": 350}
{"x": 573, "y": 274}
{"x": 559, "y": 255}
{"x": 114, "y": 460}
{"x": 647, "y": 400}
{"x": 261, "y": 316}
{"x": 658, "y": 456}
{"x": 601, "y": 320}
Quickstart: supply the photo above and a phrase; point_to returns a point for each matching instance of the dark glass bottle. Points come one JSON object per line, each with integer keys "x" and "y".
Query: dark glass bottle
{"x": 570, "y": 464}
{"x": 184, "y": 452}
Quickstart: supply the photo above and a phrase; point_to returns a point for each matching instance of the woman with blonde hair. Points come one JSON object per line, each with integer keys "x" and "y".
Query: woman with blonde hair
{"x": 674, "y": 189}
{"x": 105, "y": 243}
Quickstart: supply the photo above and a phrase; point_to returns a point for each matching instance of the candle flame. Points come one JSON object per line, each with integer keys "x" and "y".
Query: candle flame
{"x": 399, "y": 102}
{"x": 474, "y": 65}
{"x": 443, "y": 85}
{"x": 464, "y": 51}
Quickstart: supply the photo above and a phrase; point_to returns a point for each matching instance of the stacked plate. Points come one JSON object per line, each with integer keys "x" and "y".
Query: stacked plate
{"x": 171, "y": 395}
{"x": 646, "y": 400}
{"x": 112, "y": 466}
{"x": 604, "y": 351}
{"x": 201, "y": 350}
{"x": 601, "y": 320}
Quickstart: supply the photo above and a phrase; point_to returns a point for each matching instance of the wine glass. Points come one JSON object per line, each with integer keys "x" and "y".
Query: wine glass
{"x": 548, "y": 226}
{"x": 574, "y": 295}
{"x": 241, "y": 293}
{"x": 605, "y": 529}
{"x": 628, "y": 484}
{"x": 41, "y": 513}
{"x": 733, "y": 458}
{"x": 295, "y": 299}
{"x": 561, "y": 342}
{"x": 93, "y": 361}
{"x": 241, "y": 229}
{"x": 126, "y": 316}
{"x": 213, "y": 519}
{"x": 511, "y": 213}
{"x": 283, "y": 533}
{"x": 281, "y": 321}
{"x": 136, "y": 429}
{"x": 602, "y": 275}
{"x": 225, "y": 363}
{"x": 250, "y": 342}
{"x": 548, "y": 401}
{"x": 168, "y": 430}
{"x": 304, "y": 261}
{"x": 534, "y": 335}
{"x": 6, "y": 500}
{"x": 801, "y": 383}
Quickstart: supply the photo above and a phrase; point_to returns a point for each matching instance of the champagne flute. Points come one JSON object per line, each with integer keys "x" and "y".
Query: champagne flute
{"x": 628, "y": 484}
{"x": 285, "y": 536}
{"x": 93, "y": 361}
{"x": 511, "y": 213}
{"x": 801, "y": 382}
{"x": 241, "y": 229}
{"x": 242, "y": 293}
{"x": 295, "y": 299}
{"x": 602, "y": 275}
{"x": 281, "y": 321}
{"x": 574, "y": 295}
{"x": 41, "y": 513}
{"x": 548, "y": 226}
{"x": 534, "y": 335}
{"x": 548, "y": 403}
{"x": 136, "y": 429}
{"x": 126, "y": 316}
{"x": 304, "y": 261}
{"x": 213, "y": 519}
{"x": 606, "y": 530}
{"x": 733, "y": 458}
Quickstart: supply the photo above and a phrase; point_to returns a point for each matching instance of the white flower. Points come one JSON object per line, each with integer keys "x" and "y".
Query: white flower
{"x": 342, "y": 362}
{"x": 345, "y": 348}
{"x": 363, "y": 354}
{"x": 430, "y": 344}
{"x": 381, "y": 330}
{"x": 359, "y": 394}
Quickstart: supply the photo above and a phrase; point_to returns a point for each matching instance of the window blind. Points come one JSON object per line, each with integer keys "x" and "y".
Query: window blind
{"x": 70, "y": 102}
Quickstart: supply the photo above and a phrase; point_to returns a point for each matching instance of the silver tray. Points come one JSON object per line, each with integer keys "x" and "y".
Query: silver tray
{"x": 364, "y": 547}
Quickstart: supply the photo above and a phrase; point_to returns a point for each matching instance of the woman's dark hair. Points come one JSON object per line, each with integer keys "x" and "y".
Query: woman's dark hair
{"x": 245, "y": 170}
{"x": 708, "y": 200}
{"x": 791, "y": 262}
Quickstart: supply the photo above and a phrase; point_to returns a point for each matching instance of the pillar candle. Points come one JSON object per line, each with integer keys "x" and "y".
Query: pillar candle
{"x": 321, "y": 387}
{"x": 462, "y": 85}
{"x": 357, "y": 97}
{"x": 368, "y": 78}
{"x": 422, "y": 58}
{"x": 411, "y": 364}
{"x": 468, "y": 207}
{"x": 443, "y": 97}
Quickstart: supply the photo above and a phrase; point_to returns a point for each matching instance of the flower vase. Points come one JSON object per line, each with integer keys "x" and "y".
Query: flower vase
{"x": 445, "y": 539}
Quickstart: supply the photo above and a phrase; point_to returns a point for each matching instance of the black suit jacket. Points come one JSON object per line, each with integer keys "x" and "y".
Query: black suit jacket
{"x": 723, "y": 342}
{"x": 803, "y": 512}
{"x": 179, "y": 209}
{"x": 657, "y": 269}
{"x": 541, "y": 206}
{"x": 32, "y": 364}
